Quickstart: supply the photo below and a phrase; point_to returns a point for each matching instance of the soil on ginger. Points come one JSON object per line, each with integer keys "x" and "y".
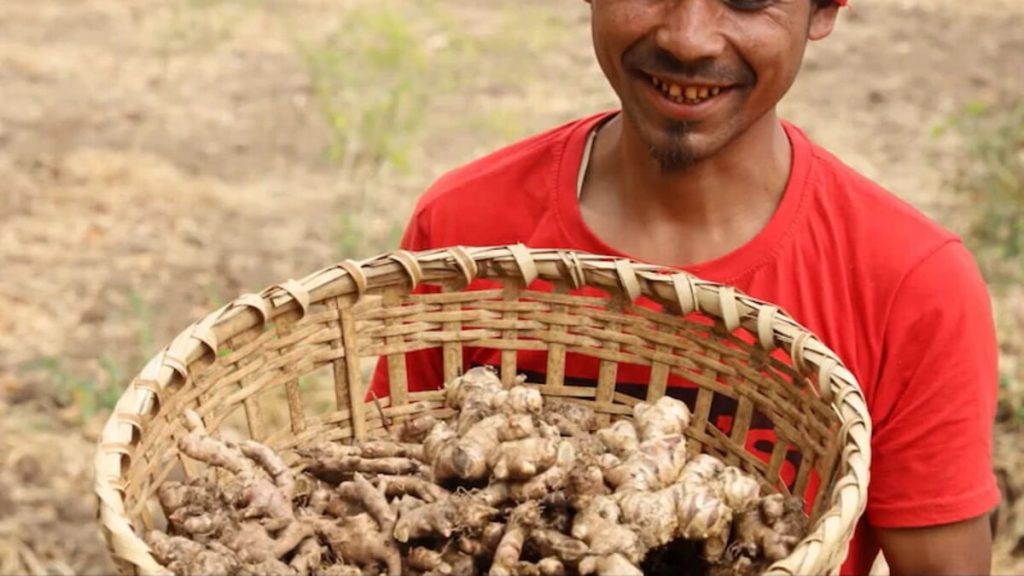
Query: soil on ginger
{"x": 161, "y": 157}
{"x": 560, "y": 496}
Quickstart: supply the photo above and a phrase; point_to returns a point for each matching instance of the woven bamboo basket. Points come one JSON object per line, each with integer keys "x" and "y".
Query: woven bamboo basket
{"x": 238, "y": 363}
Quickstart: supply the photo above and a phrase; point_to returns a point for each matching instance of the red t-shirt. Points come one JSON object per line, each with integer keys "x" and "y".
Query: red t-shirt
{"x": 899, "y": 299}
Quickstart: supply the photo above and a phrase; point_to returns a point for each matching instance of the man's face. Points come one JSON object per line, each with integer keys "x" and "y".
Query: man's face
{"x": 693, "y": 75}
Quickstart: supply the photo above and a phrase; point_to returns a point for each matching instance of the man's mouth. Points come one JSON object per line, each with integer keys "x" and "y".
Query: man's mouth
{"x": 691, "y": 94}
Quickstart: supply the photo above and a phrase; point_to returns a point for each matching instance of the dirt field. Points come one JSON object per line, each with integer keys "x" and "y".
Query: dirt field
{"x": 159, "y": 158}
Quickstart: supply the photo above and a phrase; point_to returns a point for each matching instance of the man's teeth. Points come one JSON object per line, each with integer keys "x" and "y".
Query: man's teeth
{"x": 685, "y": 95}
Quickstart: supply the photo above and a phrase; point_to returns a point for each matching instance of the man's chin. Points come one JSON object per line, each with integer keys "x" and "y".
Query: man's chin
{"x": 672, "y": 145}
{"x": 676, "y": 149}
{"x": 673, "y": 159}
{"x": 677, "y": 145}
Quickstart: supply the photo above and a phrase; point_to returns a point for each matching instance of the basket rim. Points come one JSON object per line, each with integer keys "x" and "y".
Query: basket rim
{"x": 630, "y": 279}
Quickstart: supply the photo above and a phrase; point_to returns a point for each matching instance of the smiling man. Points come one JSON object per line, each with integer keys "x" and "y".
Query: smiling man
{"x": 697, "y": 171}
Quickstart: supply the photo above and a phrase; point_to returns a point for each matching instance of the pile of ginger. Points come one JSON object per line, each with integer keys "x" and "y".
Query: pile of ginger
{"x": 514, "y": 484}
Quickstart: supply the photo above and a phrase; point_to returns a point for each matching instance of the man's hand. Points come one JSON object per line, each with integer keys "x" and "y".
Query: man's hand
{"x": 961, "y": 548}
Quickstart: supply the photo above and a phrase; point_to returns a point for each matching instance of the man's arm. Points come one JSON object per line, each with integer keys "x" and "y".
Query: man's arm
{"x": 961, "y": 548}
{"x": 933, "y": 409}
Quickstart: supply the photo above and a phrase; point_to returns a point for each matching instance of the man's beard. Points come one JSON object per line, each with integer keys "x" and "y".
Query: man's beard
{"x": 675, "y": 156}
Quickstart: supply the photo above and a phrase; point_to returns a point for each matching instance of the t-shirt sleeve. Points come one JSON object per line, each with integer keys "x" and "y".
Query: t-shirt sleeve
{"x": 934, "y": 404}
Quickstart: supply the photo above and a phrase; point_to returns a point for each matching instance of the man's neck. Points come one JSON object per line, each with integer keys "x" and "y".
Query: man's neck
{"x": 690, "y": 216}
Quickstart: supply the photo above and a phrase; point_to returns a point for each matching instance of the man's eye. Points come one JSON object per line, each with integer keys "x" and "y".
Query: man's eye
{"x": 748, "y": 5}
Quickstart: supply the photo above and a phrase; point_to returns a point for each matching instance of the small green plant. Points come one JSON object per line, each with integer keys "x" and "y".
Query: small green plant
{"x": 142, "y": 316}
{"x": 91, "y": 390}
{"x": 368, "y": 83}
{"x": 1011, "y": 400}
{"x": 349, "y": 236}
{"x": 203, "y": 25}
{"x": 990, "y": 181}
{"x": 88, "y": 395}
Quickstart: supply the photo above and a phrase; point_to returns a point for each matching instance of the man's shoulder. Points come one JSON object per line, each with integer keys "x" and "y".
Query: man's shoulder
{"x": 874, "y": 219}
{"x": 521, "y": 167}
{"x": 501, "y": 198}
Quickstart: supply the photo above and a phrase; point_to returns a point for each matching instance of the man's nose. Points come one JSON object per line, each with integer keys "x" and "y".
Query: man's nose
{"x": 692, "y": 29}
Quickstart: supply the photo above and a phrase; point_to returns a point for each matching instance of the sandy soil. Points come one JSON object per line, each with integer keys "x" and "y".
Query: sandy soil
{"x": 159, "y": 158}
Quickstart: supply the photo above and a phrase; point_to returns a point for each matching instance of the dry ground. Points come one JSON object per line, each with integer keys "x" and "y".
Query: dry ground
{"x": 158, "y": 158}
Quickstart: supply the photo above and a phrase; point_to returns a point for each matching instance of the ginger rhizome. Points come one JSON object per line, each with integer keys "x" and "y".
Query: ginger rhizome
{"x": 513, "y": 483}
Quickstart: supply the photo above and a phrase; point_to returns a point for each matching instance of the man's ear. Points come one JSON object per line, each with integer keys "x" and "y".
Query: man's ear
{"x": 823, "y": 20}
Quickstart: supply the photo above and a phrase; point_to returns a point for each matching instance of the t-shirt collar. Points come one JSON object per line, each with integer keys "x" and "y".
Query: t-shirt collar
{"x": 726, "y": 269}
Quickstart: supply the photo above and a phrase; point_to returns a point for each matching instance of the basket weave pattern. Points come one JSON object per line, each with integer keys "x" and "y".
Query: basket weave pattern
{"x": 342, "y": 318}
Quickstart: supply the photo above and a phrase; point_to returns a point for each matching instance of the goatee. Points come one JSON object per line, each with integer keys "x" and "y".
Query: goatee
{"x": 675, "y": 156}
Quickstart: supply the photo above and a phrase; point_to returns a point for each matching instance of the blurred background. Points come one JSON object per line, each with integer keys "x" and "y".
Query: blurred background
{"x": 160, "y": 157}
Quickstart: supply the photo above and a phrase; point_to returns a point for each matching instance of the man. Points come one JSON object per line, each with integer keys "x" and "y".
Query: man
{"x": 698, "y": 172}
